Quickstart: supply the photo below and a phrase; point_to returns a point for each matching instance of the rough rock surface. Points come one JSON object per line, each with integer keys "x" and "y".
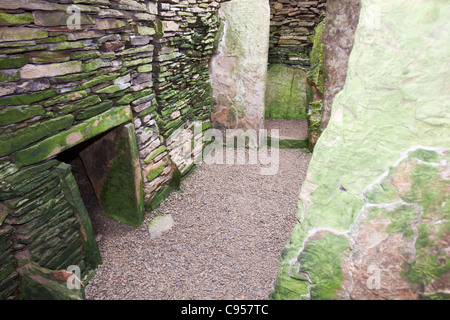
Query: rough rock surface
{"x": 374, "y": 208}
{"x": 239, "y": 69}
{"x": 338, "y": 39}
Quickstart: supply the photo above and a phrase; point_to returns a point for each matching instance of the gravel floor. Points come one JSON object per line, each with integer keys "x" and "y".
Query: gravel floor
{"x": 231, "y": 225}
{"x": 289, "y": 129}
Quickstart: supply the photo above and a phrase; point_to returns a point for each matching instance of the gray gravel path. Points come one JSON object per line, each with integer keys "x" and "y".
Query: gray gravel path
{"x": 231, "y": 226}
{"x": 288, "y": 129}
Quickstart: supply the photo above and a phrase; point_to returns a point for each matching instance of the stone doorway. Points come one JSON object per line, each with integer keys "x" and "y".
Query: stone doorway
{"x": 108, "y": 175}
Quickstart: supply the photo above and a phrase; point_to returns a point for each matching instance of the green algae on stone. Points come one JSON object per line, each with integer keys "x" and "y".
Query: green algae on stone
{"x": 7, "y": 19}
{"x": 316, "y": 73}
{"x": 76, "y": 134}
{"x": 373, "y": 125}
{"x": 121, "y": 180}
{"x": 157, "y": 198}
{"x": 9, "y": 75}
{"x": 21, "y": 33}
{"x": 39, "y": 283}
{"x": 13, "y": 62}
{"x": 66, "y": 97}
{"x": 93, "y": 111}
{"x": 155, "y": 153}
{"x": 23, "y": 137}
{"x": 285, "y": 93}
{"x": 15, "y": 115}
{"x": 27, "y": 99}
{"x": 79, "y": 104}
{"x": 320, "y": 259}
{"x": 155, "y": 173}
{"x": 98, "y": 80}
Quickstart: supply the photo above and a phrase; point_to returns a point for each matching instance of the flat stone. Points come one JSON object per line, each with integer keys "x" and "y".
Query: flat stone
{"x": 105, "y": 24}
{"x": 242, "y": 52}
{"x": 160, "y": 225}
{"x": 58, "y": 18}
{"x": 22, "y": 33}
{"x": 66, "y": 139}
{"x": 7, "y": 19}
{"x": 49, "y": 70}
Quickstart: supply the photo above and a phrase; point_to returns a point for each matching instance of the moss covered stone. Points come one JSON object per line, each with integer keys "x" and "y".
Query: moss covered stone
{"x": 79, "y": 104}
{"x": 9, "y": 75}
{"x": 285, "y": 93}
{"x": 76, "y": 134}
{"x": 93, "y": 111}
{"x": 14, "y": 115}
{"x": 13, "y": 62}
{"x": 27, "y": 99}
{"x": 21, "y": 138}
{"x": 155, "y": 173}
{"x": 98, "y": 80}
{"x": 158, "y": 198}
{"x": 7, "y": 19}
{"x": 325, "y": 277}
{"x": 155, "y": 153}
{"x": 117, "y": 176}
{"x": 370, "y": 180}
{"x": 39, "y": 283}
{"x": 316, "y": 73}
{"x": 22, "y": 33}
{"x": 122, "y": 194}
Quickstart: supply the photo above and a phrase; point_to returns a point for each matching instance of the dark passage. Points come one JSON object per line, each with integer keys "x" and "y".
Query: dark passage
{"x": 72, "y": 157}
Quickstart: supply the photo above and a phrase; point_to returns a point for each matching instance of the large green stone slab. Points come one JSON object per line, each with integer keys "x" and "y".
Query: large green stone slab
{"x": 286, "y": 92}
{"x": 21, "y": 138}
{"x": 73, "y": 136}
{"x": 239, "y": 69}
{"x": 73, "y": 197}
{"x": 116, "y": 175}
{"x": 39, "y": 283}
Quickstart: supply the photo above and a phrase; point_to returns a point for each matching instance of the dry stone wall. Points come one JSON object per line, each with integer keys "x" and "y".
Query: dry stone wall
{"x": 292, "y": 25}
{"x": 73, "y": 70}
{"x": 184, "y": 94}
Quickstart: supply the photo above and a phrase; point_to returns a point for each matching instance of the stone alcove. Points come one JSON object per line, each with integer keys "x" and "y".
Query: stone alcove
{"x": 108, "y": 174}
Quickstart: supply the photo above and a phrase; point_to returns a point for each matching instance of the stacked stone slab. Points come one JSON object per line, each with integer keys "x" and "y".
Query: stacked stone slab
{"x": 292, "y": 25}
{"x": 186, "y": 41}
{"x": 131, "y": 62}
{"x": 42, "y": 222}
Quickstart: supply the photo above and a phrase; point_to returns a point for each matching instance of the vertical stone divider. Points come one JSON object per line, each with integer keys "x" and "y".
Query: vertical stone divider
{"x": 73, "y": 197}
{"x": 338, "y": 39}
{"x": 239, "y": 69}
{"x": 112, "y": 165}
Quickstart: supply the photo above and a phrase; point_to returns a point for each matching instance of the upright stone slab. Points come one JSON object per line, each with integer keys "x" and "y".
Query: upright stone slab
{"x": 374, "y": 210}
{"x": 239, "y": 69}
{"x": 338, "y": 38}
{"x": 286, "y": 92}
{"x": 112, "y": 164}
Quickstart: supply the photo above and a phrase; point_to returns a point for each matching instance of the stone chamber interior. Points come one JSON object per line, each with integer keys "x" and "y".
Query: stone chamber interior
{"x": 103, "y": 116}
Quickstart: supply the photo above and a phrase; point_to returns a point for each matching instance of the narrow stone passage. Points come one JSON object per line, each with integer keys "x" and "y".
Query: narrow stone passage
{"x": 231, "y": 226}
